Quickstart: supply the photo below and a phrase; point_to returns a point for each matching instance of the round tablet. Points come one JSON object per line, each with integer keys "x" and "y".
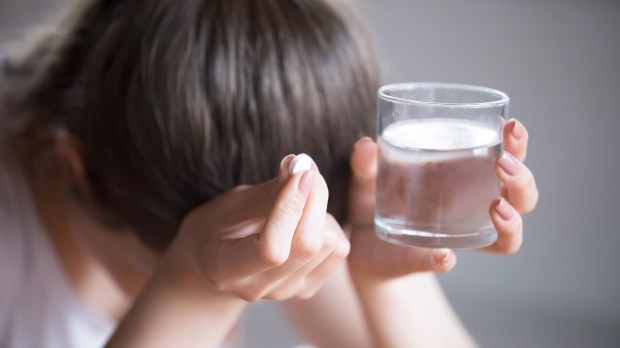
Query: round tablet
{"x": 300, "y": 163}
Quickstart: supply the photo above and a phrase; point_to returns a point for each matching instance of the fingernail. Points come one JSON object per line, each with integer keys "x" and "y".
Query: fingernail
{"x": 283, "y": 174}
{"x": 518, "y": 131}
{"x": 363, "y": 142}
{"x": 504, "y": 210}
{"x": 443, "y": 255}
{"x": 286, "y": 160}
{"x": 509, "y": 164}
{"x": 305, "y": 182}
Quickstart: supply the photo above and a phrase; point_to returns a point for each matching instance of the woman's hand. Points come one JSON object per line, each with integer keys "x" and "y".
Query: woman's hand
{"x": 519, "y": 191}
{"x": 274, "y": 240}
{"x": 370, "y": 257}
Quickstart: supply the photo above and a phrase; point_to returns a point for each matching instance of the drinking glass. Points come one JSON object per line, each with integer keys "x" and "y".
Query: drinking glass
{"x": 438, "y": 143}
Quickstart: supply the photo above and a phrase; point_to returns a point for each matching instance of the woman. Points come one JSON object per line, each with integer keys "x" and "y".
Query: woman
{"x": 142, "y": 203}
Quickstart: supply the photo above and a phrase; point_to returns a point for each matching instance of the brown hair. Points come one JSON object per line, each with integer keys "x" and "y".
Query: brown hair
{"x": 173, "y": 102}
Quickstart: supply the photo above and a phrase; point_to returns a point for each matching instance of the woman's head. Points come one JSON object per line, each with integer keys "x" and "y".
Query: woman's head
{"x": 170, "y": 103}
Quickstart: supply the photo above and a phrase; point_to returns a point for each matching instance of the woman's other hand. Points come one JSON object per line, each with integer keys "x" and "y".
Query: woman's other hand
{"x": 371, "y": 257}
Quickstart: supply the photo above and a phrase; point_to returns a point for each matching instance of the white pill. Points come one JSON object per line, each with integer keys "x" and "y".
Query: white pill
{"x": 300, "y": 163}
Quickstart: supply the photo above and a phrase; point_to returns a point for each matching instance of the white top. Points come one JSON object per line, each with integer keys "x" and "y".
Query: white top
{"x": 38, "y": 306}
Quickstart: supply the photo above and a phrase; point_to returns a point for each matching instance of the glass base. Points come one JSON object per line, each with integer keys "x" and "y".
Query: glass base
{"x": 425, "y": 239}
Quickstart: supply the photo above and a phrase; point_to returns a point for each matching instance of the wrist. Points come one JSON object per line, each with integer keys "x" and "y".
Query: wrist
{"x": 177, "y": 309}
{"x": 365, "y": 280}
{"x": 181, "y": 270}
{"x": 363, "y": 264}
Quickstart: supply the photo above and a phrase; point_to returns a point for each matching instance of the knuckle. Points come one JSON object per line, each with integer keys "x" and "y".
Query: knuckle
{"x": 518, "y": 225}
{"x": 533, "y": 199}
{"x": 529, "y": 181}
{"x": 330, "y": 241}
{"x": 508, "y": 233}
{"x": 512, "y": 239}
{"x": 530, "y": 203}
{"x": 306, "y": 291}
{"x": 525, "y": 192}
{"x": 272, "y": 256}
{"x": 528, "y": 195}
{"x": 291, "y": 206}
{"x": 513, "y": 229}
{"x": 331, "y": 222}
{"x": 334, "y": 236}
{"x": 510, "y": 248}
{"x": 343, "y": 248}
{"x": 251, "y": 296}
{"x": 308, "y": 246}
{"x": 219, "y": 285}
{"x": 306, "y": 294}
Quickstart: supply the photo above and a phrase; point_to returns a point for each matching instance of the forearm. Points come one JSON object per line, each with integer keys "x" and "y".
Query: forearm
{"x": 333, "y": 317}
{"x": 410, "y": 311}
{"x": 176, "y": 311}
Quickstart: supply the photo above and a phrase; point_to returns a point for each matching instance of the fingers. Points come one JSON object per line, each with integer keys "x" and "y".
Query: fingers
{"x": 509, "y": 226}
{"x": 516, "y": 139}
{"x": 427, "y": 260}
{"x": 255, "y": 255}
{"x": 364, "y": 160}
{"x": 249, "y": 244}
{"x": 519, "y": 184}
{"x": 310, "y": 239}
{"x": 519, "y": 189}
{"x": 292, "y": 243}
{"x": 302, "y": 282}
{"x": 373, "y": 257}
{"x": 317, "y": 278}
{"x": 233, "y": 259}
{"x": 277, "y": 235}
{"x": 443, "y": 260}
{"x": 363, "y": 182}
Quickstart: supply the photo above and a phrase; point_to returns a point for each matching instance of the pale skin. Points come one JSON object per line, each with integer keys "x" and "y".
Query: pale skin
{"x": 274, "y": 241}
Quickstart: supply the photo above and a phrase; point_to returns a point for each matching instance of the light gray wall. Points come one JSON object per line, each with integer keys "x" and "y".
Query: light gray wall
{"x": 19, "y": 13}
{"x": 559, "y": 60}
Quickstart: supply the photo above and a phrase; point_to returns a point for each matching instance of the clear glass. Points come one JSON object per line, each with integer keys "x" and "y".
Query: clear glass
{"x": 438, "y": 144}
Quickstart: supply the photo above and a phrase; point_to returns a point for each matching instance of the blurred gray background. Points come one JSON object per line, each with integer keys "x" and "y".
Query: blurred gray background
{"x": 559, "y": 60}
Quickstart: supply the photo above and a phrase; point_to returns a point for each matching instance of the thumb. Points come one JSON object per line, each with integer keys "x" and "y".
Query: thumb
{"x": 363, "y": 185}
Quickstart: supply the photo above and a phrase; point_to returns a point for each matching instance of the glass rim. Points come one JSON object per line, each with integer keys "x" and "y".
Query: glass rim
{"x": 503, "y": 97}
